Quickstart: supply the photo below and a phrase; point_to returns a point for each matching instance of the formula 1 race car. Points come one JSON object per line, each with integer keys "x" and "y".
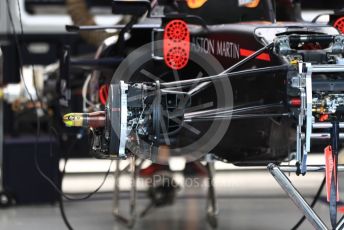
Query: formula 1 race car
{"x": 252, "y": 91}
{"x": 245, "y": 92}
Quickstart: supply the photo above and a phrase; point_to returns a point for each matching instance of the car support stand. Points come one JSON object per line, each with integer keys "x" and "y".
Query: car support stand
{"x": 212, "y": 210}
{"x": 130, "y": 221}
{"x": 297, "y": 198}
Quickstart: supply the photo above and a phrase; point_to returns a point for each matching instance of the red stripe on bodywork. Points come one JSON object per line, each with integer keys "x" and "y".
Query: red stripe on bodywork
{"x": 263, "y": 56}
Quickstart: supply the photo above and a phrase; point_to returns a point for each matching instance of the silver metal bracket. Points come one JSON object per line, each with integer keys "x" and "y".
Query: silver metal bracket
{"x": 303, "y": 82}
{"x": 282, "y": 45}
{"x": 157, "y": 37}
{"x": 298, "y": 82}
{"x": 308, "y": 116}
{"x": 338, "y": 44}
{"x": 124, "y": 120}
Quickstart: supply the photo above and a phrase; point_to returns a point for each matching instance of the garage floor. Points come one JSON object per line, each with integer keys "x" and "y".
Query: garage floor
{"x": 252, "y": 213}
{"x": 247, "y": 200}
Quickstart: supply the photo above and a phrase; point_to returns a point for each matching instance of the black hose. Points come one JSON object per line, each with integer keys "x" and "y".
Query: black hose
{"x": 38, "y": 128}
{"x": 63, "y": 214}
